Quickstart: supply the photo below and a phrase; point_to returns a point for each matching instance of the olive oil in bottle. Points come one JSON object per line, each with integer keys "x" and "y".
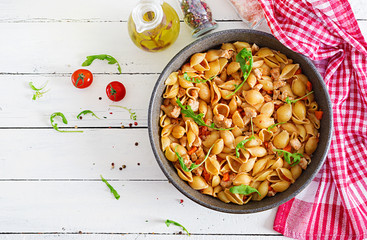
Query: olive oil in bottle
{"x": 153, "y": 25}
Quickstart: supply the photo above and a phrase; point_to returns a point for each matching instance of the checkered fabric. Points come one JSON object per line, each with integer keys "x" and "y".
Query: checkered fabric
{"x": 334, "y": 205}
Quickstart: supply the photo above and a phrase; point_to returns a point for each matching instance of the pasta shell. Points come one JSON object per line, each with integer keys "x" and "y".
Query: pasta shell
{"x": 314, "y": 120}
{"x": 186, "y": 68}
{"x": 284, "y": 113}
{"x": 272, "y": 62}
{"x": 164, "y": 121}
{"x": 241, "y": 45}
{"x": 281, "y": 140}
{"x": 213, "y": 55}
{"x": 234, "y": 163}
{"x": 193, "y": 92}
{"x": 273, "y": 177}
{"x": 228, "y": 46}
{"x": 257, "y": 151}
{"x": 230, "y": 85}
{"x": 228, "y": 138}
{"x": 204, "y": 92}
{"x": 165, "y": 142}
{"x": 211, "y": 139}
{"x": 233, "y": 197}
{"x": 262, "y": 175}
{"x": 288, "y": 71}
{"x": 280, "y": 186}
{"x": 262, "y": 121}
{"x": 264, "y": 52}
{"x": 311, "y": 145}
{"x": 298, "y": 87}
{"x": 265, "y": 135}
{"x": 242, "y": 178}
{"x": 281, "y": 57}
{"x": 226, "y": 94}
{"x": 197, "y": 59}
{"x": 186, "y": 176}
{"x": 234, "y": 103}
{"x": 198, "y": 183}
{"x": 208, "y": 191}
{"x": 222, "y": 63}
{"x": 253, "y": 97}
{"x": 215, "y": 94}
{"x": 215, "y": 181}
{"x": 296, "y": 171}
{"x": 172, "y": 79}
{"x": 212, "y": 166}
{"x": 267, "y": 109}
{"x": 257, "y": 61}
{"x": 223, "y": 197}
{"x": 222, "y": 109}
{"x": 213, "y": 70}
{"x": 285, "y": 174}
{"x": 218, "y": 146}
{"x": 267, "y": 85}
{"x": 263, "y": 190}
{"x": 171, "y": 91}
{"x": 233, "y": 67}
{"x": 259, "y": 166}
{"x": 299, "y": 110}
{"x": 167, "y": 130}
{"x": 248, "y": 165}
{"x": 184, "y": 83}
{"x": 178, "y": 132}
{"x": 237, "y": 120}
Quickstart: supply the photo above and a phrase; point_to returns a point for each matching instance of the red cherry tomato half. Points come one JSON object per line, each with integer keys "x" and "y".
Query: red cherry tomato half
{"x": 115, "y": 91}
{"x": 82, "y": 78}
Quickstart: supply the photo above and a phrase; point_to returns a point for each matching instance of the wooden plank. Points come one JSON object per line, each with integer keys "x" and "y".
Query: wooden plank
{"x": 76, "y": 11}
{"x": 136, "y": 237}
{"x": 47, "y": 154}
{"x": 113, "y": 10}
{"x": 90, "y": 207}
{"x": 17, "y": 109}
{"x": 62, "y": 47}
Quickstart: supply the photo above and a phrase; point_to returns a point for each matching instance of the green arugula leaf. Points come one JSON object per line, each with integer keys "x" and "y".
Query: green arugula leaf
{"x": 243, "y": 189}
{"x": 86, "y": 112}
{"x": 38, "y": 92}
{"x": 287, "y": 156}
{"x": 198, "y": 118}
{"x": 244, "y": 57}
{"x": 243, "y": 142}
{"x": 287, "y": 100}
{"x": 193, "y": 165}
{"x": 110, "y": 59}
{"x": 168, "y": 222}
{"x": 64, "y": 120}
{"x": 242, "y": 145}
{"x": 195, "y": 80}
{"x": 132, "y": 114}
{"x": 113, "y": 191}
{"x": 274, "y": 125}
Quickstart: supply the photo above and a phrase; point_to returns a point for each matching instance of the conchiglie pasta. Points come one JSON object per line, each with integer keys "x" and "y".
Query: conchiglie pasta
{"x": 231, "y": 136}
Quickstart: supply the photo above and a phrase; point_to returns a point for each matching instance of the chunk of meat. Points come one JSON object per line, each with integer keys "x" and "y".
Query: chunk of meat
{"x": 227, "y": 184}
{"x": 227, "y": 53}
{"x": 284, "y": 96}
{"x": 183, "y": 141}
{"x": 270, "y": 148}
{"x": 194, "y": 104}
{"x": 303, "y": 163}
{"x": 198, "y": 171}
{"x": 267, "y": 98}
{"x": 276, "y": 94}
{"x": 254, "y": 48}
{"x": 257, "y": 72}
{"x": 222, "y": 122}
{"x": 295, "y": 143}
{"x": 171, "y": 111}
{"x": 275, "y": 73}
{"x": 271, "y": 193}
{"x": 278, "y": 84}
{"x": 250, "y": 112}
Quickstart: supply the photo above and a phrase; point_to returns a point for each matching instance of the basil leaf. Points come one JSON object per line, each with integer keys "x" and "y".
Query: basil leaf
{"x": 132, "y": 114}
{"x": 110, "y": 59}
{"x": 243, "y": 189}
{"x": 64, "y": 120}
{"x": 274, "y": 125}
{"x": 287, "y": 157}
{"x": 168, "y": 222}
{"x": 193, "y": 165}
{"x": 113, "y": 191}
{"x": 244, "y": 57}
{"x": 287, "y": 100}
{"x": 198, "y": 118}
{"x": 242, "y": 145}
{"x": 86, "y": 112}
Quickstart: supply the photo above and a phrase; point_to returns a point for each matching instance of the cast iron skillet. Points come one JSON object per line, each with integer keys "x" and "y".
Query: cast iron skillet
{"x": 262, "y": 39}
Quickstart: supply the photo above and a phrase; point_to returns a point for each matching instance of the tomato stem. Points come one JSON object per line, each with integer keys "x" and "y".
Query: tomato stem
{"x": 80, "y": 77}
{"x": 113, "y": 91}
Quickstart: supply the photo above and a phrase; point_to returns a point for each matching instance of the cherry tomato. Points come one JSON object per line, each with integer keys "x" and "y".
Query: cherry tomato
{"x": 82, "y": 78}
{"x": 115, "y": 91}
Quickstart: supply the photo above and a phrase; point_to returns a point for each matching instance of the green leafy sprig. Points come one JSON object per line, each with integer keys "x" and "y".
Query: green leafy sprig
{"x": 243, "y": 189}
{"x": 38, "y": 92}
{"x": 113, "y": 191}
{"x": 87, "y": 112}
{"x": 287, "y": 100}
{"x": 287, "y": 156}
{"x": 168, "y": 222}
{"x": 193, "y": 165}
{"x": 64, "y": 120}
{"x": 274, "y": 125}
{"x": 132, "y": 114}
{"x": 110, "y": 59}
{"x": 244, "y": 57}
{"x": 195, "y": 80}
{"x": 198, "y": 118}
{"x": 243, "y": 142}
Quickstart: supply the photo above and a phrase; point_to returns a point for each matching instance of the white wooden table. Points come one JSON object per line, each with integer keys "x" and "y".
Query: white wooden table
{"x": 49, "y": 181}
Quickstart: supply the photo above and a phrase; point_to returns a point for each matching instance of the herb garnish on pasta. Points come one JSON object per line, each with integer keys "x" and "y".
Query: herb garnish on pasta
{"x": 194, "y": 80}
{"x": 287, "y": 157}
{"x": 198, "y": 118}
{"x": 244, "y": 57}
{"x": 243, "y": 142}
{"x": 287, "y": 100}
{"x": 274, "y": 125}
{"x": 243, "y": 189}
{"x": 193, "y": 165}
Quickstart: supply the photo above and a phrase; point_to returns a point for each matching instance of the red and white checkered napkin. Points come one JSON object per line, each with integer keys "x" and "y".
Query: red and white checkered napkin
{"x": 334, "y": 205}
